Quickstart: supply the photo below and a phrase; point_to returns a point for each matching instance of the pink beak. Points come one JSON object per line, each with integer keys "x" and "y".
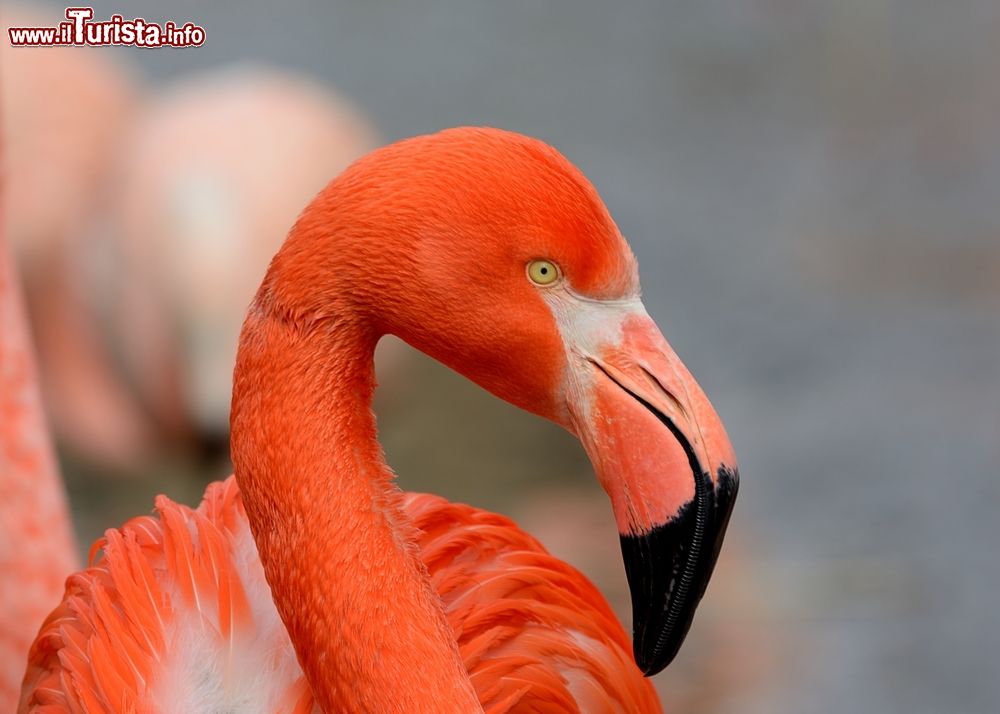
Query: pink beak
{"x": 662, "y": 454}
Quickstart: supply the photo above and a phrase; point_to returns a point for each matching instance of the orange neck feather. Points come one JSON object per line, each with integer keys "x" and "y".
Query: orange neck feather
{"x": 368, "y": 629}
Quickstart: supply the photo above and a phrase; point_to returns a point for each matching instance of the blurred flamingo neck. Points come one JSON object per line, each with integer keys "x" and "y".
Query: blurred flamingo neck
{"x": 368, "y": 629}
{"x": 36, "y": 543}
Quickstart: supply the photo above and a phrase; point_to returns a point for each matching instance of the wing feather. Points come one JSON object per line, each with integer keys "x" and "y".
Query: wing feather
{"x": 535, "y": 634}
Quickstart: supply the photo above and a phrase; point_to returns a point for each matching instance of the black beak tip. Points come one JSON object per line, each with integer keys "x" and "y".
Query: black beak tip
{"x": 669, "y": 567}
{"x": 651, "y": 662}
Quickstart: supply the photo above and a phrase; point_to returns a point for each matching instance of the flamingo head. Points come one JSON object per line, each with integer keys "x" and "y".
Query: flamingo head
{"x": 493, "y": 254}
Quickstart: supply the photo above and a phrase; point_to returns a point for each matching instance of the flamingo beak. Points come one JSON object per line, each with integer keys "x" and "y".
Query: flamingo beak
{"x": 662, "y": 454}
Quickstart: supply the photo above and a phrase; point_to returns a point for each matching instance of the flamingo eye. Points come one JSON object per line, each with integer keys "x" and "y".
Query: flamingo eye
{"x": 543, "y": 272}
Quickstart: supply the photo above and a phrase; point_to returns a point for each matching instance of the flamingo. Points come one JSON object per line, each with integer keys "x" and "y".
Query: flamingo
{"x": 36, "y": 543}
{"x": 308, "y": 580}
{"x": 62, "y": 111}
{"x": 196, "y": 186}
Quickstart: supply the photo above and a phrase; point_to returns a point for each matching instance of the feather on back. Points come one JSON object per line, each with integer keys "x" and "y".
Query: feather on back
{"x": 174, "y": 615}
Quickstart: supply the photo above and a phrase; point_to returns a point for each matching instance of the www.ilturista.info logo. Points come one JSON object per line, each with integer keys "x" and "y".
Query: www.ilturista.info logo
{"x": 80, "y": 29}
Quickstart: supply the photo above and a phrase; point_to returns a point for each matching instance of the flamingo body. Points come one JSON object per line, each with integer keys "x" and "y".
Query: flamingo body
{"x": 174, "y": 614}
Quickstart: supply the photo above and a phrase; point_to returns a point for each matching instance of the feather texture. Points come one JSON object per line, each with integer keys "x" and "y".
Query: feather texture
{"x": 174, "y": 615}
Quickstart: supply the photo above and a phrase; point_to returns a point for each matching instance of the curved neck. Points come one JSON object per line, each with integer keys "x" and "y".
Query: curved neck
{"x": 368, "y": 629}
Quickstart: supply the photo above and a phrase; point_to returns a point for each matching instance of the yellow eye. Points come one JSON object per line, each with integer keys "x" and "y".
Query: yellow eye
{"x": 543, "y": 272}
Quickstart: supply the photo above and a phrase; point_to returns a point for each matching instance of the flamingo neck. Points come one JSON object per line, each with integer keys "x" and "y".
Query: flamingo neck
{"x": 36, "y": 542}
{"x": 368, "y": 629}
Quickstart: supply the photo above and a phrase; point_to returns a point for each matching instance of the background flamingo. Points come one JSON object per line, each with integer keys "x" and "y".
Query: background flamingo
{"x": 210, "y": 175}
{"x": 425, "y": 239}
{"x": 36, "y": 544}
{"x": 167, "y": 208}
{"x": 62, "y": 110}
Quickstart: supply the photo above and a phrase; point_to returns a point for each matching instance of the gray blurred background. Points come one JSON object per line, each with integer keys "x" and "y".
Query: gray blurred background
{"x": 813, "y": 192}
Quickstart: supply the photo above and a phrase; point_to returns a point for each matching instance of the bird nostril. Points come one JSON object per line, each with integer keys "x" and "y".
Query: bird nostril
{"x": 665, "y": 393}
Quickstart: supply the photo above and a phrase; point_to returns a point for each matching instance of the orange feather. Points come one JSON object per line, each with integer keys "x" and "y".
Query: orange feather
{"x": 534, "y": 633}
